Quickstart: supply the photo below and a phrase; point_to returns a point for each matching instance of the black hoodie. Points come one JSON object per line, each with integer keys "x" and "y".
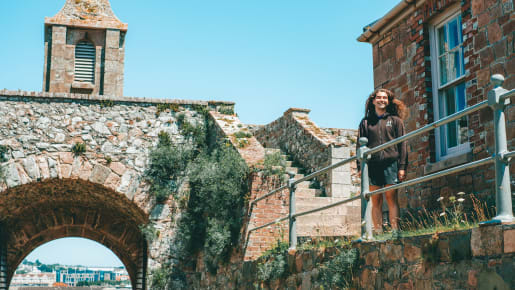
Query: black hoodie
{"x": 380, "y": 130}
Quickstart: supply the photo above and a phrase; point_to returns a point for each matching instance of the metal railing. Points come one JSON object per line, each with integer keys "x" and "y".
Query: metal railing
{"x": 498, "y": 99}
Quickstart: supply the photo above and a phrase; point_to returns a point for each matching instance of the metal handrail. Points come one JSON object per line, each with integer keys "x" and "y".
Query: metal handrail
{"x": 496, "y": 100}
{"x": 429, "y": 127}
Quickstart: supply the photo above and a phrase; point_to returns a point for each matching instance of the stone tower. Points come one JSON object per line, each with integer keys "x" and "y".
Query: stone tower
{"x": 84, "y": 49}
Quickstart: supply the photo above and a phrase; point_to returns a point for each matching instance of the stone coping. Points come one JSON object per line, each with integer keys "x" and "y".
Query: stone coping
{"x": 99, "y": 98}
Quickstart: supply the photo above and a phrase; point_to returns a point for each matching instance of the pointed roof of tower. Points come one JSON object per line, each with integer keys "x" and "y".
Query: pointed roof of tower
{"x": 87, "y": 13}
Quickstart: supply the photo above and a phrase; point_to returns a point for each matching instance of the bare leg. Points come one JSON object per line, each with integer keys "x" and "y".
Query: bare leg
{"x": 377, "y": 209}
{"x": 393, "y": 207}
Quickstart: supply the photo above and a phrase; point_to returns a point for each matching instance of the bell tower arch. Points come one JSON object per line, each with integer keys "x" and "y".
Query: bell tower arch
{"x": 72, "y": 67}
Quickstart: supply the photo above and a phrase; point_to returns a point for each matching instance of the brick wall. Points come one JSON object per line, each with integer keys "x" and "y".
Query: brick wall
{"x": 402, "y": 63}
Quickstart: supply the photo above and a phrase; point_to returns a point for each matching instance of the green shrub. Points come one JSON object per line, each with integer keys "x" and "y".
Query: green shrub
{"x": 226, "y": 110}
{"x": 337, "y": 272}
{"x": 212, "y": 202}
{"x": 167, "y": 167}
{"x": 165, "y": 107}
{"x": 201, "y": 109}
{"x": 275, "y": 263}
{"x": 149, "y": 232}
{"x": 218, "y": 184}
{"x": 274, "y": 164}
{"x": 242, "y": 134}
{"x": 164, "y": 139}
{"x": 79, "y": 148}
{"x": 106, "y": 103}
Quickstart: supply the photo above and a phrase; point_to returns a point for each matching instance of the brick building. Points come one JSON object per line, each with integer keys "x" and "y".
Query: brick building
{"x": 438, "y": 57}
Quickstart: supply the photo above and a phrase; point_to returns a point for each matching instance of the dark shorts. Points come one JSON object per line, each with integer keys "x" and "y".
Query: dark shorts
{"x": 382, "y": 174}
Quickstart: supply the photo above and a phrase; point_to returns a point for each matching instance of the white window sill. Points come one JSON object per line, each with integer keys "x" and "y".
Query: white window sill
{"x": 448, "y": 163}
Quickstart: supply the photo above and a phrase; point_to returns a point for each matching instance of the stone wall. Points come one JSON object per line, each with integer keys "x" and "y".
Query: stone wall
{"x": 40, "y": 129}
{"x": 313, "y": 148}
{"x": 480, "y": 258}
{"x": 402, "y": 63}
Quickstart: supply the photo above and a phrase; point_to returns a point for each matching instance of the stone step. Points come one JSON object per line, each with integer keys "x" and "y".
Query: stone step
{"x": 328, "y": 231}
{"x": 303, "y": 192}
{"x": 289, "y": 163}
{"x": 309, "y": 203}
{"x": 271, "y": 150}
{"x": 292, "y": 169}
{"x": 304, "y": 184}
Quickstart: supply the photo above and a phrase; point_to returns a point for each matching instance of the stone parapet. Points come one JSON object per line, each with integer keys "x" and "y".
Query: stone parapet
{"x": 49, "y": 96}
{"x": 480, "y": 258}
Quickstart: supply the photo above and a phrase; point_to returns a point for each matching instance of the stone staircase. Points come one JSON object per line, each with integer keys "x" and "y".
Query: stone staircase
{"x": 343, "y": 220}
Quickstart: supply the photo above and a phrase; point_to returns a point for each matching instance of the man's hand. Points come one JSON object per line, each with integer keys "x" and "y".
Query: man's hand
{"x": 401, "y": 175}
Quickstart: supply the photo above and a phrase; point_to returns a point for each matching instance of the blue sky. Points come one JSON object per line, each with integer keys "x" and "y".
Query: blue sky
{"x": 266, "y": 55}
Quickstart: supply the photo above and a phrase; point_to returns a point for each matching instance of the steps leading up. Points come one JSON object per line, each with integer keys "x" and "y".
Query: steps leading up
{"x": 342, "y": 220}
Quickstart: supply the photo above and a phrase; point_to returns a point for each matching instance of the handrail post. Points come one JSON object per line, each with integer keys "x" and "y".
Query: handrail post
{"x": 502, "y": 167}
{"x": 292, "y": 229}
{"x": 366, "y": 207}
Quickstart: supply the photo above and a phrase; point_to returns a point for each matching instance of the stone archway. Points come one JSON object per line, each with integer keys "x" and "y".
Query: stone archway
{"x": 38, "y": 212}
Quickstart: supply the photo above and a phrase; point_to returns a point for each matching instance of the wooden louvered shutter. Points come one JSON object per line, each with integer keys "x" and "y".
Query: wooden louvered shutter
{"x": 85, "y": 62}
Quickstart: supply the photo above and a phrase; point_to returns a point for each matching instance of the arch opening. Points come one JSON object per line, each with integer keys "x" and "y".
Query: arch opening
{"x": 71, "y": 262}
{"x": 36, "y": 213}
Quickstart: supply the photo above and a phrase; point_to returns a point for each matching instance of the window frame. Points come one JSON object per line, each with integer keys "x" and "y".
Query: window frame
{"x": 441, "y": 20}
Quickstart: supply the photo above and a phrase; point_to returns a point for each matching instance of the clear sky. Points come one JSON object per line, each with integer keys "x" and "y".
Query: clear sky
{"x": 266, "y": 55}
{"x": 75, "y": 251}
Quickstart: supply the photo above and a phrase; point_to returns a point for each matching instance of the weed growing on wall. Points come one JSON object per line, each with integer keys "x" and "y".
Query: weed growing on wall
{"x": 167, "y": 277}
{"x": 337, "y": 272}
{"x": 274, "y": 263}
{"x": 275, "y": 164}
{"x": 79, "y": 148}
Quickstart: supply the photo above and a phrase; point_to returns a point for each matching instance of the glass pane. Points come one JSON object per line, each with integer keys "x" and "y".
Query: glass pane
{"x": 454, "y": 65}
{"x": 459, "y": 29}
{"x": 460, "y": 96}
{"x": 442, "y": 43}
{"x": 450, "y": 106}
{"x": 443, "y": 70}
{"x": 451, "y": 135}
{"x": 450, "y": 101}
{"x": 454, "y": 35}
{"x": 462, "y": 123}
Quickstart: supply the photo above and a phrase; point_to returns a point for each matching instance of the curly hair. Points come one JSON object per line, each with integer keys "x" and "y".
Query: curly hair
{"x": 395, "y": 107}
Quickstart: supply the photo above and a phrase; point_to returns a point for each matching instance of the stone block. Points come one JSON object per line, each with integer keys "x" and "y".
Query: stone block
{"x": 486, "y": 240}
{"x": 31, "y": 167}
{"x": 391, "y": 252}
{"x": 12, "y": 177}
{"x": 99, "y": 174}
{"x": 112, "y": 38}
{"x": 412, "y": 253}
{"x": 340, "y": 152}
{"x": 494, "y": 32}
{"x": 340, "y": 190}
{"x": 341, "y": 178}
{"x": 509, "y": 241}
{"x": 372, "y": 259}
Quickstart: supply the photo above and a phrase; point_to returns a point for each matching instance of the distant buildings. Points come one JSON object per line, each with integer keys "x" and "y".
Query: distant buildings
{"x": 30, "y": 274}
{"x": 33, "y": 279}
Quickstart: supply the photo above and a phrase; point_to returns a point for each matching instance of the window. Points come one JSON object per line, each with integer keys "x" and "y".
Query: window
{"x": 449, "y": 85}
{"x": 85, "y": 62}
